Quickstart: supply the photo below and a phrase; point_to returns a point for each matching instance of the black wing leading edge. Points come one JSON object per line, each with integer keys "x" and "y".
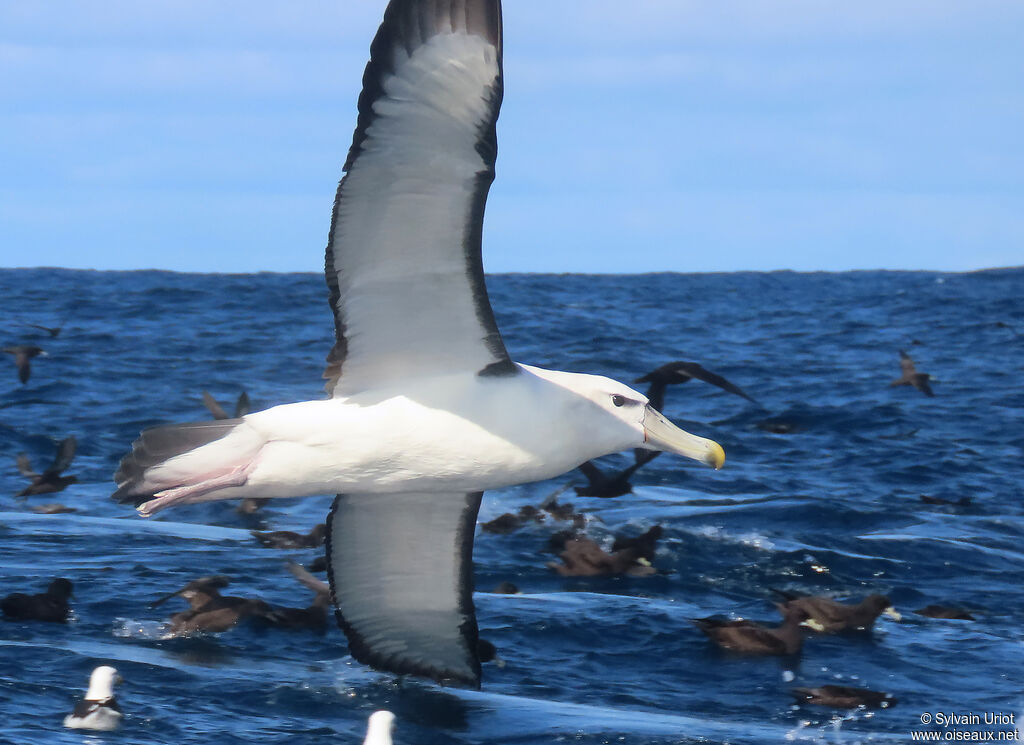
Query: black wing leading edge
{"x": 401, "y": 573}
{"x": 403, "y": 260}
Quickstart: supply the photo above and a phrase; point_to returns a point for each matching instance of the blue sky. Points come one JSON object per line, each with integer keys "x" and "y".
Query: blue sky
{"x": 651, "y": 135}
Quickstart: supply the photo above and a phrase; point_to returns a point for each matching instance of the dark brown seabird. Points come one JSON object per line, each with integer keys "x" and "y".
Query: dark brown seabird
{"x": 945, "y": 612}
{"x": 834, "y": 616}
{"x": 53, "y": 331}
{"x": 23, "y": 354}
{"x": 605, "y": 485}
{"x": 910, "y": 376}
{"x": 313, "y": 617}
{"x": 50, "y": 480}
{"x": 290, "y": 539}
{"x": 210, "y": 611}
{"x": 752, "y": 638}
{"x": 676, "y": 373}
{"x": 51, "y": 606}
{"x": 242, "y": 406}
{"x": 584, "y": 557}
{"x": 844, "y": 697}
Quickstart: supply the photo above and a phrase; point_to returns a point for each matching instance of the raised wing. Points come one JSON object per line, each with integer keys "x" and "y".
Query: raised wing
{"x": 25, "y": 466}
{"x": 695, "y": 370}
{"x": 907, "y": 365}
{"x": 65, "y": 454}
{"x": 214, "y": 407}
{"x": 403, "y": 264}
{"x": 401, "y": 573}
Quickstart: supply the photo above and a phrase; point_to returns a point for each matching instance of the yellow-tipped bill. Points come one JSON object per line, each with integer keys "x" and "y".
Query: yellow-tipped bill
{"x": 661, "y": 434}
{"x": 893, "y": 613}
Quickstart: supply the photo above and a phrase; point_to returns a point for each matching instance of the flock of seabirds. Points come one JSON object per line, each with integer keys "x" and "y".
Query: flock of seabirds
{"x": 406, "y": 286}
{"x": 210, "y": 612}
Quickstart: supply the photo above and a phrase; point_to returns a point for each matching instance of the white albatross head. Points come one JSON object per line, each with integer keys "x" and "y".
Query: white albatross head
{"x": 379, "y": 727}
{"x": 616, "y": 417}
{"x": 101, "y": 683}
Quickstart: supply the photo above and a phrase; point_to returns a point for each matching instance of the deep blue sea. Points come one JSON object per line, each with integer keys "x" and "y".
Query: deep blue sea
{"x": 831, "y": 506}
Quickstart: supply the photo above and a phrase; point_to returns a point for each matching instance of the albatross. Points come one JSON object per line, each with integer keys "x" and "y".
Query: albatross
{"x": 425, "y": 408}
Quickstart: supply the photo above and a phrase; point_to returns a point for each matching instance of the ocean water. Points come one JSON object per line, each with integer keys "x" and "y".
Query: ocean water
{"x": 830, "y": 506}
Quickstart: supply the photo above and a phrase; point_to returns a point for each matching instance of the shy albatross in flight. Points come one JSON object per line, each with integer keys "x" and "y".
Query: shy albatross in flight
{"x": 426, "y": 410}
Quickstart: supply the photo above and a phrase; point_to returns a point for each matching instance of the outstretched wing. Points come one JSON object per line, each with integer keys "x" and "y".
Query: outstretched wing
{"x": 694, "y": 370}
{"x": 403, "y": 261}
{"x": 401, "y": 573}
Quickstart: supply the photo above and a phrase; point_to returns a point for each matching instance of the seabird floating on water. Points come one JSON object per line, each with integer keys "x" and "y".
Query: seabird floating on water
{"x": 209, "y": 611}
{"x": 752, "y": 638}
{"x": 23, "y": 354}
{"x": 835, "y": 616}
{"x": 910, "y": 376}
{"x": 291, "y": 539}
{"x": 52, "y": 605}
{"x": 50, "y": 480}
{"x": 52, "y": 508}
{"x": 313, "y": 618}
{"x": 99, "y": 709}
{"x": 945, "y": 612}
{"x": 379, "y": 728}
{"x": 844, "y": 697}
{"x": 426, "y": 409}
{"x": 584, "y": 557}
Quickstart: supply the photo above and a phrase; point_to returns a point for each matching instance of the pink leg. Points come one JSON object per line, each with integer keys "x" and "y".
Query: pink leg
{"x": 237, "y": 476}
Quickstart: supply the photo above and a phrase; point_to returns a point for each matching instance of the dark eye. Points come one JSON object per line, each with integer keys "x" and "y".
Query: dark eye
{"x": 618, "y": 400}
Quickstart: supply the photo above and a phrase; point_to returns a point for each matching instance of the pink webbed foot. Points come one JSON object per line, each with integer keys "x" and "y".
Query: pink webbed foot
{"x": 191, "y": 493}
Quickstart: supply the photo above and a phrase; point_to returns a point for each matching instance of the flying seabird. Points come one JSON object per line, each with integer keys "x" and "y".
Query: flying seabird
{"x": 844, "y": 697}
{"x": 99, "y": 709}
{"x": 51, "y": 606}
{"x": 752, "y": 638}
{"x": 834, "y": 616}
{"x": 675, "y": 373}
{"x": 601, "y": 484}
{"x": 23, "y": 354}
{"x": 910, "y": 375}
{"x": 379, "y": 728}
{"x": 242, "y": 406}
{"x": 291, "y": 539}
{"x": 53, "y": 331}
{"x": 426, "y": 408}
{"x": 50, "y": 480}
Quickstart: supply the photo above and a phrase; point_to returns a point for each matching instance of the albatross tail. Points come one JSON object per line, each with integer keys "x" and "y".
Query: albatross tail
{"x": 180, "y": 463}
